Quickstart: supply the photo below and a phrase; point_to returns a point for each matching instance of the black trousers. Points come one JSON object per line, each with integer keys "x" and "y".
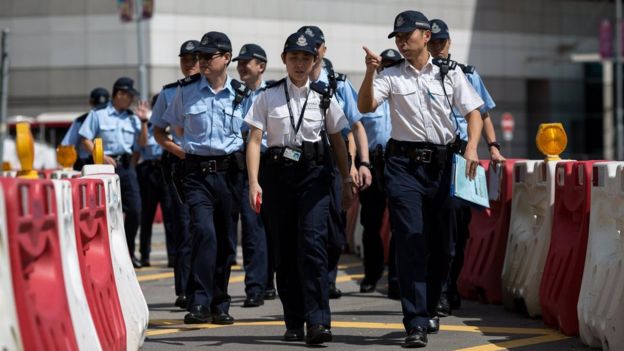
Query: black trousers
{"x": 130, "y": 202}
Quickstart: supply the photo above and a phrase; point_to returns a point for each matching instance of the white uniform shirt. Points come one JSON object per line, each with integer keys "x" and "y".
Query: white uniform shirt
{"x": 419, "y": 110}
{"x": 269, "y": 113}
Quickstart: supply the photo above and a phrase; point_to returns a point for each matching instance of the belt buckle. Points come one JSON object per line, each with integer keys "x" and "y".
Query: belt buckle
{"x": 212, "y": 166}
{"x": 424, "y": 156}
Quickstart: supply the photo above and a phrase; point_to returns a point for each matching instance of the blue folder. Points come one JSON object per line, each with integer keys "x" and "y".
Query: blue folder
{"x": 474, "y": 191}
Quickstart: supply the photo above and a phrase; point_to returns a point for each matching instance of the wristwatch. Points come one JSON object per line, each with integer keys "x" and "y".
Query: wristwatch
{"x": 366, "y": 164}
{"x": 494, "y": 144}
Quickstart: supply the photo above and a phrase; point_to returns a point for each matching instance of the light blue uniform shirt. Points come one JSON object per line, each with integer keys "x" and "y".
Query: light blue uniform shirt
{"x": 378, "y": 126}
{"x": 212, "y": 125}
{"x": 73, "y": 138}
{"x": 488, "y": 103}
{"x": 119, "y": 130}
{"x": 346, "y": 95}
{"x": 165, "y": 97}
{"x": 152, "y": 150}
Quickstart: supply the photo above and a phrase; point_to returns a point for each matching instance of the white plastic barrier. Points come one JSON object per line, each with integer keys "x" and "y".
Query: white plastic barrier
{"x": 601, "y": 301}
{"x": 529, "y": 233}
{"x": 133, "y": 304}
{"x": 84, "y": 328}
{"x": 64, "y": 174}
{"x": 10, "y": 338}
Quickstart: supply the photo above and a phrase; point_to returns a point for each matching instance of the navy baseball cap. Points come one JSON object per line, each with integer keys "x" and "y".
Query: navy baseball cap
{"x": 125, "y": 83}
{"x": 300, "y": 42}
{"x": 99, "y": 96}
{"x": 251, "y": 51}
{"x": 439, "y": 30}
{"x": 408, "y": 21}
{"x": 390, "y": 56}
{"x": 188, "y": 47}
{"x": 213, "y": 42}
{"x": 314, "y": 32}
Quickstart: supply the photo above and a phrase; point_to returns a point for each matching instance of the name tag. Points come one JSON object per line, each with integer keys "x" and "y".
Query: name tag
{"x": 292, "y": 154}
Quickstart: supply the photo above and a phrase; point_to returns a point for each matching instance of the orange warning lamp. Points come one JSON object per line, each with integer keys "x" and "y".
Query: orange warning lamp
{"x": 66, "y": 155}
{"x": 25, "y": 148}
{"x": 98, "y": 151}
{"x": 551, "y": 140}
{"x": 6, "y": 166}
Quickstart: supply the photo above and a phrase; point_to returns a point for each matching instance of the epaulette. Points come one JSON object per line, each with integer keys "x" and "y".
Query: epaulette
{"x": 467, "y": 69}
{"x": 171, "y": 85}
{"x": 81, "y": 118}
{"x": 130, "y": 112}
{"x": 341, "y": 77}
{"x": 102, "y": 106}
{"x": 266, "y": 85}
{"x": 274, "y": 83}
{"x": 190, "y": 79}
{"x": 320, "y": 87}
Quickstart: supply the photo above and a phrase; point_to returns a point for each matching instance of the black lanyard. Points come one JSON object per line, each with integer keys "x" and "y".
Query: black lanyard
{"x": 292, "y": 117}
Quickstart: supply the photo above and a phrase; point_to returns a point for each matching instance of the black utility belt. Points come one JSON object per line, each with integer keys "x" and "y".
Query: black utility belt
{"x": 306, "y": 153}
{"x": 419, "y": 152}
{"x": 154, "y": 163}
{"x": 212, "y": 164}
{"x": 123, "y": 159}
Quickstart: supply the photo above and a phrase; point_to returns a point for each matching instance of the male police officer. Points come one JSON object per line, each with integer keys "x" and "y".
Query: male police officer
{"x": 173, "y": 157}
{"x": 347, "y": 98}
{"x": 122, "y": 132}
{"x": 251, "y": 65}
{"x": 296, "y": 180}
{"x": 209, "y": 108}
{"x": 373, "y": 199}
{"x": 152, "y": 183}
{"x": 98, "y": 98}
{"x": 439, "y": 46}
{"x": 418, "y": 164}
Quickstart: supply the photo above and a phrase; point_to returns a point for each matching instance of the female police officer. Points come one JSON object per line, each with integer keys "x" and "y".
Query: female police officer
{"x": 296, "y": 180}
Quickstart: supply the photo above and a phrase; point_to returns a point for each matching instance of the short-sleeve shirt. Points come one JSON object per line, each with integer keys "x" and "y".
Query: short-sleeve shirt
{"x": 164, "y": 99}
{"x": 212, "y": 121}
{"x": 419, "y": 109}
{"x": 152, "y": 150}
{"x": 377, "y": 125}
{"x": 119, "y": 130}
{"x": 270, "y": 113}
{"x": 73, "y": 138}
{"x": 477, "y": 84}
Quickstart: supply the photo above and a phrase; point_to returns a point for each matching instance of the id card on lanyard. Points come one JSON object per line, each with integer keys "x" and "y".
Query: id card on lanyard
{"x": 290, "y": 153}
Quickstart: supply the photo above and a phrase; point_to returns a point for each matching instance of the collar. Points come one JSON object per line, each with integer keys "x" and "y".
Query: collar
{"x": 323, "y": 76}
{"x": 111, "y": 110}
{"x": 407, "y": 66}
{"x": 292, "y": 87}
{"x": 203, "y": 84}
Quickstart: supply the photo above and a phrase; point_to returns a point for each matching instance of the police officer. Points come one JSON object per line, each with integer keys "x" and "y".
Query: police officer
{"x": 98, "y": 98}
{"x": 347, "y": 98}
{"x": 173, "y": 162}
{"x": 296, "y": 182}
{"x": 251, "y": 65}
{"x": 373, "y": 199}
{"x": 152, "y": 183}
{"x": 418, "y": 164}
{"x": 209, "y": 108}
{"x": 439, "y": 47}
{"x": 122, "y": 132}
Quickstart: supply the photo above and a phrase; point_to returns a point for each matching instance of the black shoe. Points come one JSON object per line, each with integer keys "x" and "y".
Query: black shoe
{"x": 393, "y": 291}
{"x": 294, "y": 335}
{"x": 270, "y": 294}
{"x": 253, "y": 301}
{"x": 434, "y": 325}
{"x": 198, "y": 314}
{"x": 334, "y": 292}
{"x": 416, "y": 337}
{"x": 145, "y": 262}
{"x": 318, "y": 334}
{"x": 182, "y": 302}
{"x": 444, "y": 308}
{"x": 222, "y": 318}
{"x": 135, "y": 262}
{"x": 367, "y": 286}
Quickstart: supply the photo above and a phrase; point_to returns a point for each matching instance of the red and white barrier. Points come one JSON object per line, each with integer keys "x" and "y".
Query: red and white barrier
{"x": 600, "y": 307}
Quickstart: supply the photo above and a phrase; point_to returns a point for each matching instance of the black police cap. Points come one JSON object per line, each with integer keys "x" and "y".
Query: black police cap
{"x": 251, "y": 51}
{"x": 390, "y": 56}
{"x": 300, "y": 42}
{"x": 408, "y": 21}
{"x": 314, "y": 32}
{"x": 99, "y": 96}
{"x": 213, "y": 42}
{"x": 188, "y": 47}
{"x": 439, "y": 30}
{"x": 125, "y": 83}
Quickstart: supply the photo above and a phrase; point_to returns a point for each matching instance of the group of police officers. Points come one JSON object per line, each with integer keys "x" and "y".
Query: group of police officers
{"x": 287, "y": 157}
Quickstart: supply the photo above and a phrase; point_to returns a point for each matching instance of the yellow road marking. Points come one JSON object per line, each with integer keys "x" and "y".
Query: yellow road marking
{"x": 346, "y": 278}
{"x": 237, "y": 278}
{"x": 505, "y": 345}
{"x": 350, "y": 265}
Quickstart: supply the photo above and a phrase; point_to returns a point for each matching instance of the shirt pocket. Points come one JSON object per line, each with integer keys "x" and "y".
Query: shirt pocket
{"x": 312, "y": 119}
{"x": 233, "y": 120}
{"x": 195, "y": 123}
{"x": 278, "y": 122}
{"x": 108, "y": 133}
{"x": 438, "y": 93}
{"x": 403, "y": 89}
{"x": 128, "y": 135}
